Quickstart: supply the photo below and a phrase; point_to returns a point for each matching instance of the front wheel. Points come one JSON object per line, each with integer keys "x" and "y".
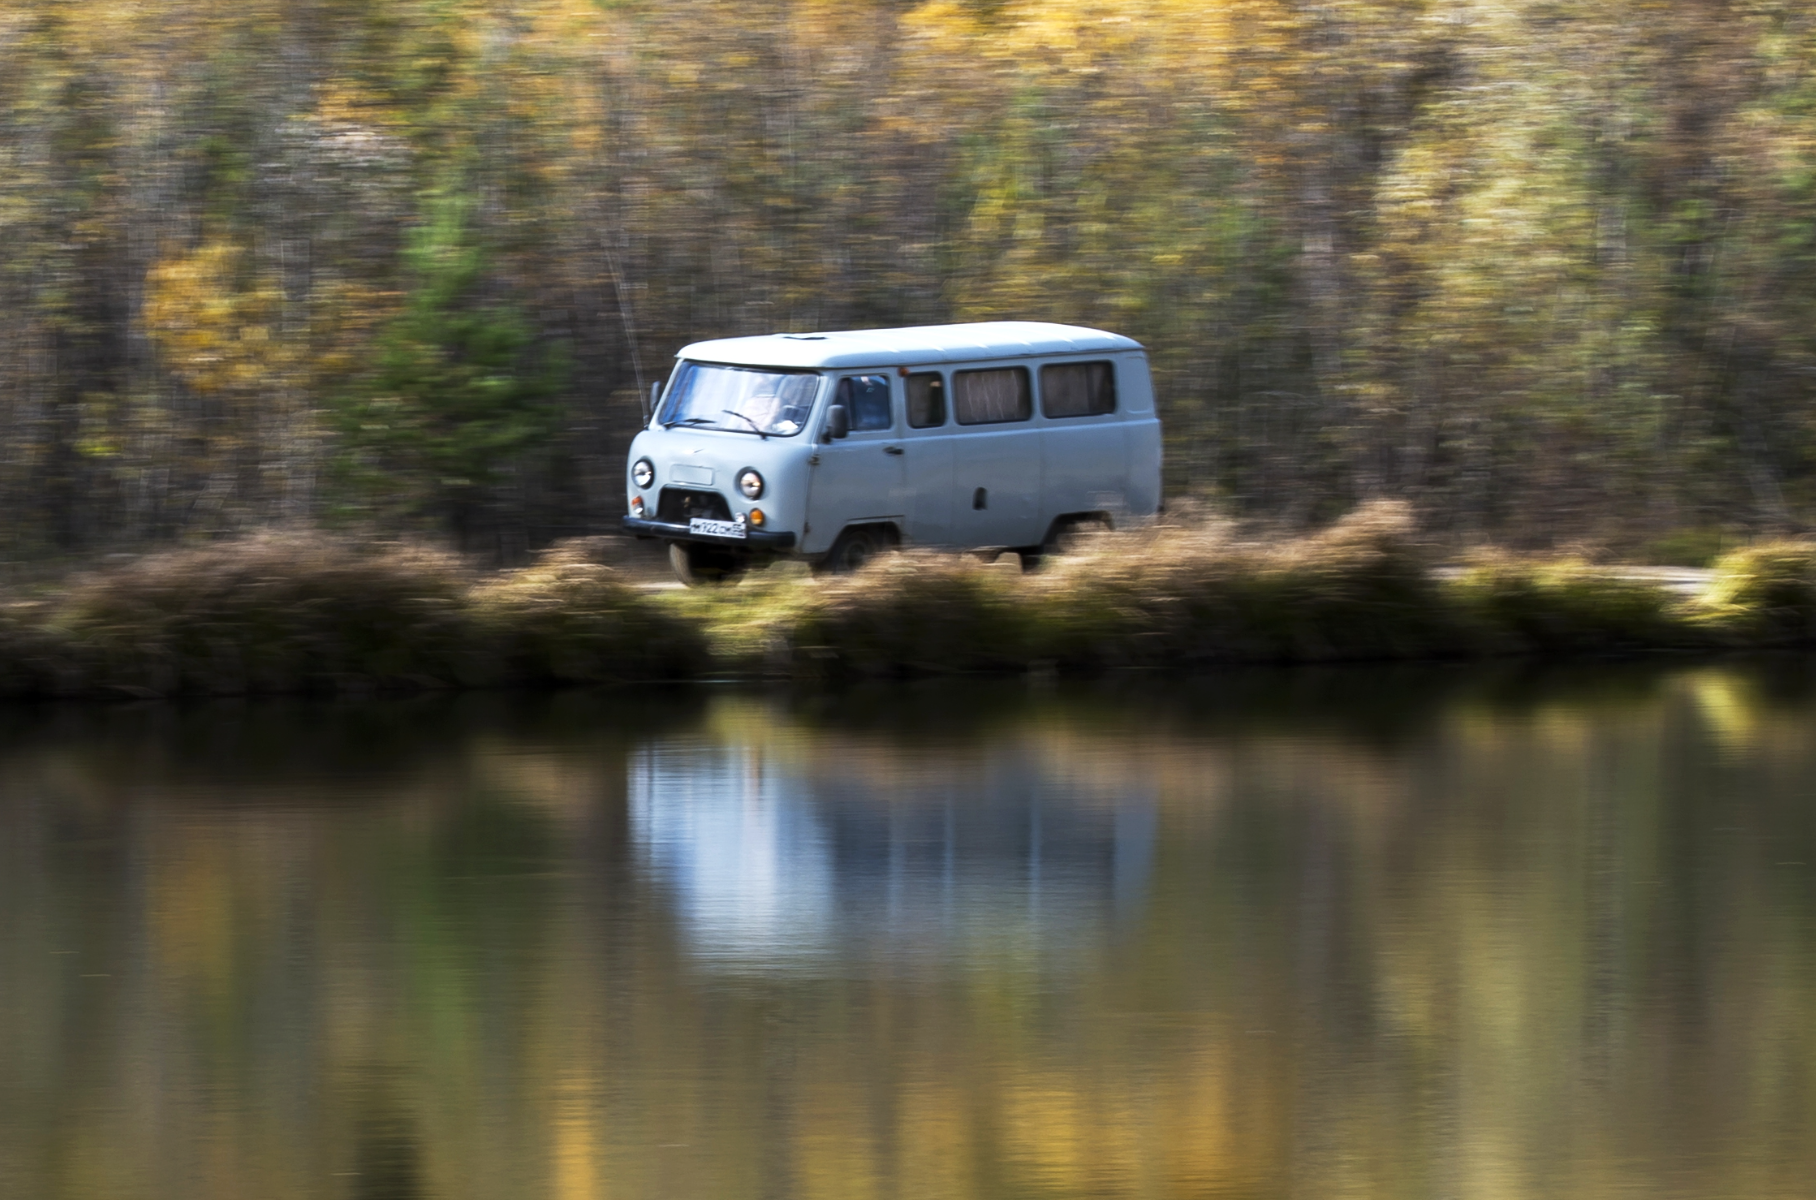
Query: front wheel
{"x": 702, "y": 566}
{"x": 852, "y": 549}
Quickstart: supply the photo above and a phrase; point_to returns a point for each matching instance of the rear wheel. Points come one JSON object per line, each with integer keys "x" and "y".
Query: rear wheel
{"x": 702, "y": 566}
{"x": 852, "y": 549}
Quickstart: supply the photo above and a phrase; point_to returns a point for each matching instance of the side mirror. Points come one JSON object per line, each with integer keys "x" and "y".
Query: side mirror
{"x": 655, "y": 398}
{"x": 838, "y": 422}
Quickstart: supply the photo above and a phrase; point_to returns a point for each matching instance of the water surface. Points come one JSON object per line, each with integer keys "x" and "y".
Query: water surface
{"x": 1409, "y": 933}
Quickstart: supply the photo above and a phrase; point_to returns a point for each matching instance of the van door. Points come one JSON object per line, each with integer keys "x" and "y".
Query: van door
{"x": 995, "y": 459}
{"x": 858, "y": 478}
{"x": 927, "y": 443}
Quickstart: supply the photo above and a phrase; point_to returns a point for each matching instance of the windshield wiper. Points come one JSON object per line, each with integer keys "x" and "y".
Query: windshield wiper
{"x": 761, "y": 432}
{"x": 696, "y": 420}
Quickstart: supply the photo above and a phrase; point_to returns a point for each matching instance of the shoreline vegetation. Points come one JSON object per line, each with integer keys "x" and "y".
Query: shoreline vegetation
{"x": 285, "y": 613}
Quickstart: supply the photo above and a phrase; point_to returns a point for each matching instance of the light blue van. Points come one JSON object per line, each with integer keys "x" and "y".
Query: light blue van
{"x": 831, "y": 447}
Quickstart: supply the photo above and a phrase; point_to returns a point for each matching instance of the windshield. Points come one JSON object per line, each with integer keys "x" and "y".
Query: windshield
{"x": 743, "y": 399}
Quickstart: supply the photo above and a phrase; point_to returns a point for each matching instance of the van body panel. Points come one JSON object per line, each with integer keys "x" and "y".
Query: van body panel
{"x": 1004, "y": 462}
{"x": 1144, "y": 467}
{"x": 1085, "y": 467}
{"x": 932, "y": 496}
{"x": 924, "y": 481}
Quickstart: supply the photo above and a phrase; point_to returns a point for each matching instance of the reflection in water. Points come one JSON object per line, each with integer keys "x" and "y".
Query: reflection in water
{"x": 747, "y": 860}
{"x": 386, "y": 1157}
{"x": 770, "y": 858}
{"x": 1409, "y": 933}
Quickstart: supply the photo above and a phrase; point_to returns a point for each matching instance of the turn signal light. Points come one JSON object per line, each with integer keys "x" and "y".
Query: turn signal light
{"x": 756, "y": 517}
{"x": 636, "y": 506}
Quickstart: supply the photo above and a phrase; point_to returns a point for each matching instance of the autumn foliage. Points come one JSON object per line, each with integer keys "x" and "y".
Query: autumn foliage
{"x": 1547, "y": 271}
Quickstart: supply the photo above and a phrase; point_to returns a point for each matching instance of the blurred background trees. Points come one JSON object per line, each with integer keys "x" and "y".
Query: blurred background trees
{"x": 442, "y": 422}
{"x": 1545, "y": 268}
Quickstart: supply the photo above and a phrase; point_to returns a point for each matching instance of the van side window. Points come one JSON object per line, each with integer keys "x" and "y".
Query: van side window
{"x": 993, "y": 396}
{"x": 1085, "y": 389}
{"x": 926, "y": 400}
{"x": 866, "y": 398}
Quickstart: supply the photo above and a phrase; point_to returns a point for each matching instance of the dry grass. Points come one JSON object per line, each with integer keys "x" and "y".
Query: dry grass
{"x": 569, "y": 619}
{"x": 909, "y": 614}
{"x": 305, "y": 612}
{"x": 1177, "y": 597}
{"x": 273, "y": 613}
{"x": 1185, "y": 595}
{"x": 1168, "y": 598}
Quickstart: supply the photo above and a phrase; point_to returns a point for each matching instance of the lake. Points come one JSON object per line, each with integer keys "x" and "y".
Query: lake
{"x": 1408, "y": 932}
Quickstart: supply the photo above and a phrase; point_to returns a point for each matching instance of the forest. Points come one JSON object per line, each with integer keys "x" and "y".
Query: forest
{"x": 1544, "y": 270}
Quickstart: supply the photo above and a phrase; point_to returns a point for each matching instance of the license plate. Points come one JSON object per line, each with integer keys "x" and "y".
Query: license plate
{"x": 730, "y": 529}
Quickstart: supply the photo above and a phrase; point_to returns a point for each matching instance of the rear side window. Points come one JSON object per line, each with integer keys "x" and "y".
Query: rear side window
{"x": 1078, "y": 389}
{"x": 926, "y": 400}
{"x": 992, "y": 397}
{"x": 866, "y": 398}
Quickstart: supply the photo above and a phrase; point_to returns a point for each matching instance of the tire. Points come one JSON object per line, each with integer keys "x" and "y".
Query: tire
{"x": 852, "y": 549}
{"x": 1066, "y": 531}
{"x": 704, "y": 566}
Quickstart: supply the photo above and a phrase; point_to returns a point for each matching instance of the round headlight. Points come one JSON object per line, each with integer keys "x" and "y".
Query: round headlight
{"x": 643, "y": 472}
{"x": 750, "y": 483}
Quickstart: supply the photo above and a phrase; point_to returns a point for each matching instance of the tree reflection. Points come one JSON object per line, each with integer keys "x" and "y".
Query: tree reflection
{"x": 1549, "y": 937}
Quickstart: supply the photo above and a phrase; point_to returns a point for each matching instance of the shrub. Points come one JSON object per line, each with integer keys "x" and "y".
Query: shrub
{"x": 1764, "y": 595}
{"x": 1162, "y": 598}
{"x": 1521, "y": 606}
{"x": 1173, "y": 595}
{"x": 912, "y": 613}
{"x": 567, "y": 619}
{"x": 303, "y": 612}
{"x": 272, "y": 613}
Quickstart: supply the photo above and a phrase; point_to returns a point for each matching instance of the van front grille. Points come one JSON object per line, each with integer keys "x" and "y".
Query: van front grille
{"x": 678, "y": 506}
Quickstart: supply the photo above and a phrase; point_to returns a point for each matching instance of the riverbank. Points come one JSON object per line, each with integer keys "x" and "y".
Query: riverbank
{"x": 289, "y": 613}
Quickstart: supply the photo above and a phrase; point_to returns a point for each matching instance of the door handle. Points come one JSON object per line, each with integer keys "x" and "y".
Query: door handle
{"x": 892, "y": 449}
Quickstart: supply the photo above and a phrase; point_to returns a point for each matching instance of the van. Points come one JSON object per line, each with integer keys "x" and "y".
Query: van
{"x": 832, "y": 447}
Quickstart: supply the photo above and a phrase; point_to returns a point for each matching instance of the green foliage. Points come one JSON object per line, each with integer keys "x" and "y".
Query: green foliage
{"x": 459, "y": 392}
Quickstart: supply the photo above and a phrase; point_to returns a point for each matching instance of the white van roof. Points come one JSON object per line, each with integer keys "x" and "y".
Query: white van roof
{"x": 914, "y": 344}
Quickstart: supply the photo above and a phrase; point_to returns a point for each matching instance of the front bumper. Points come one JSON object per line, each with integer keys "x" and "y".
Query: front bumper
{"x": 754, "y": 539}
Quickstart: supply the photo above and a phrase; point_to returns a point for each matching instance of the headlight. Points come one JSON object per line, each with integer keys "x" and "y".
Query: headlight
{"x": 643, "y": 472}
{"x": 750, "y": 483}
